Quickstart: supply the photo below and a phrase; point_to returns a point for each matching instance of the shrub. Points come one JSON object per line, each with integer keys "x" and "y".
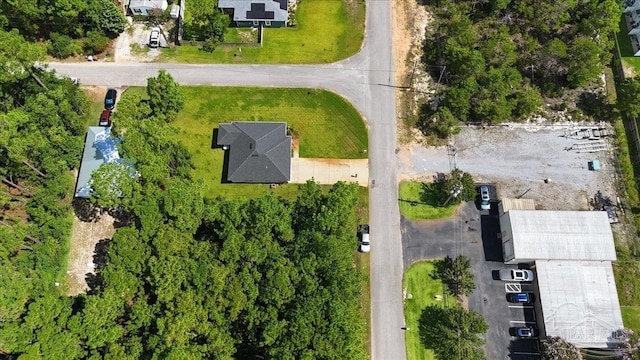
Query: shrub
{"x": 95, "y": 43}
{"x": 62, "y": 46}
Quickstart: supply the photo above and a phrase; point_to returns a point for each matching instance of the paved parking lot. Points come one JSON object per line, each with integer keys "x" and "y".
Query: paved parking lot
{"x": 473, "y": 233}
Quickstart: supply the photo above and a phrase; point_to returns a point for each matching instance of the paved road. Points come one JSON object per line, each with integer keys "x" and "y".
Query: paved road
{"x": 367, "y": 81}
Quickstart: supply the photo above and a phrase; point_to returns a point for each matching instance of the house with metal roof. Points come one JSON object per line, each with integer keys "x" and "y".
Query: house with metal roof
{"x": 247, "y": 13}
{"x": 256, "y": 152}
{"x": 146, "y": 7}
{"x": 99, "y": 148}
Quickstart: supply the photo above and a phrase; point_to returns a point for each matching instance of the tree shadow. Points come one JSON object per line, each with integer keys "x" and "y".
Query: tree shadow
{"x": 595, "y": 105}
{"x": 85, "y": 210}
{"x": 100, "y": 257}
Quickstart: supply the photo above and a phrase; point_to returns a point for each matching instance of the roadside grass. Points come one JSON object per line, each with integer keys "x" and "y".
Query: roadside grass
{"x": 626, "y": 50}
{"x": 326, "y": 31}
{"x": 423, "y": 290}
{"x": 93, "y": 114}
{"x": 413, "y": 208}
{"x": 364, "y": 265}
{"x": 631, "y": 317}
{"x": 328, "y": 126}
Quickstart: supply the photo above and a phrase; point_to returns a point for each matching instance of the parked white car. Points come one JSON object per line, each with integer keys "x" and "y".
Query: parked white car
{"x": 516, "y": 275}
{"x": 365, "y": 245}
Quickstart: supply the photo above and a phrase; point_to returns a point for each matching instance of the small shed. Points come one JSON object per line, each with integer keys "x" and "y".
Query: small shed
{"x": 145, "y": 7}
{"x": 175, "y": 11}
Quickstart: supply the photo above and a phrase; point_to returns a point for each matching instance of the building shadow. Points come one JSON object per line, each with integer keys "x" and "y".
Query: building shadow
{"x": 491, "y": 244}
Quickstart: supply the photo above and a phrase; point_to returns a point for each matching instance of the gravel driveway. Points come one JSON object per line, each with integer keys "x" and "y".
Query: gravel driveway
{"x": 517, "y": 159}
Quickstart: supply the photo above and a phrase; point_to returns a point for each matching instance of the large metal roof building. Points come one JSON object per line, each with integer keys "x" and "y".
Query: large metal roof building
{"x": 579, "y": 302}
{"x": 528, "y": 235}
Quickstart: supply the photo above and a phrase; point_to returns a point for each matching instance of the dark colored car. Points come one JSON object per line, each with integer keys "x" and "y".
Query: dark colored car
{"x": 105, "y": 118}
{"x": 110, "y": 99}
{"x": 522, "y": 298}
{"x": 525, "y": 332}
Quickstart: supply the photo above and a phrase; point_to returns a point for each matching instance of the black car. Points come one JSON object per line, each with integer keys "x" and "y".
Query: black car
{"x": 110, "y": 99}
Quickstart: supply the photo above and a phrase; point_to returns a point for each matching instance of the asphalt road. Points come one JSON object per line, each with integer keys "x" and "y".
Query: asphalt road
{"x": 367, "y": 81}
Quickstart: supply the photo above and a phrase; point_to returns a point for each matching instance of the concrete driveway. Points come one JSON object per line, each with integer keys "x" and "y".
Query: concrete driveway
{"x": 473, "y": 233}
{"x": 330, "y": 171}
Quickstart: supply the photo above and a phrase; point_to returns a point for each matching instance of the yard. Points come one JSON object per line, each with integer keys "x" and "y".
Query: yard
{"x": 328, "y": 127}
{"x": 630, "y": 63}
{"x": 421, "y": 291}
{"x": 413, "y": 208}
{"x": 326, "y": 31}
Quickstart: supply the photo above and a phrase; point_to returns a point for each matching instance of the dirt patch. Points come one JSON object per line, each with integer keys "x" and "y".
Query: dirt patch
{"x": 85, "y": 237}
{"x": 408, "y": 28}
{"x": 517, "y": 159}
{"x": 95, "y": 93}
{"x": 133, "y": 44}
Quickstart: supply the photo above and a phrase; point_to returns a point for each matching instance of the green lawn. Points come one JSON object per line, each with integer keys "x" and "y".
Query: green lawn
{"x": 626, "y": 50}
{"x": 631, "y": 318}
{"x": 327, "y": 31}
{"x": 423, "y": 291}
{"x": 328, "y": 127}
{"x": 412, "y": 207}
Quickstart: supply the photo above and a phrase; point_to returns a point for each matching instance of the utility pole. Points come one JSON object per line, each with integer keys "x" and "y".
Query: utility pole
{"x": 532, "y": 67}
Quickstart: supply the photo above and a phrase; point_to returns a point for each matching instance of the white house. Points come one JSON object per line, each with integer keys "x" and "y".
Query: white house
{"x": 145, "y": 7}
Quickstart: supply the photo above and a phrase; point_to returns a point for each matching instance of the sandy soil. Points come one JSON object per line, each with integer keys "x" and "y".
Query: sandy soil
{"x": 85, "y": 235}
{"x": 517, "y": 159}
{"x": 136, "y": 35}
{"x": 408, "y": 26}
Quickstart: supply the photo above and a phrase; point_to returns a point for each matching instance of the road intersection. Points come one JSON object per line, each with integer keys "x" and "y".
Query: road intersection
{"x": 367, "y": 81}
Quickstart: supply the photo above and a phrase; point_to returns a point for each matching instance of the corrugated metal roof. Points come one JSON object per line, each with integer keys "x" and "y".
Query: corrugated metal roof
{"x": 99, "y": 148}
{"x": 579, "y": 301}
{"x": 561, "y": 235}
{"x": 517, "y": 204}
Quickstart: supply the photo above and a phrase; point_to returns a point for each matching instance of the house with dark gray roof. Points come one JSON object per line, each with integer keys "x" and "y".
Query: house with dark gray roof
{"x": 257, "y": 152}
{"x": 246, "y": 13}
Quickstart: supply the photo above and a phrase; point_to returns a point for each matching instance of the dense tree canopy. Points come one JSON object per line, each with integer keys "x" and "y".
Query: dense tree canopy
{"x": 65, "y": 23}
{"x": 494, "y": 55}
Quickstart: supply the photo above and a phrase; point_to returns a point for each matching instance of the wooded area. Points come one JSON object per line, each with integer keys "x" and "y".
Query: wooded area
{"x": 183, "y": 277}
{"x": 499, "y": 57}
{"x": 68, "y": 27}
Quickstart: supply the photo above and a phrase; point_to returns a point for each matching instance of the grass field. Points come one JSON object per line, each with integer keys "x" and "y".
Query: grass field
{"x": 423, "y": 291}
{"x": 412, "y": 207}
{"x": 328, "y": 127}
{"x": 326, "y": 31}
{"x": 626, "y": 50}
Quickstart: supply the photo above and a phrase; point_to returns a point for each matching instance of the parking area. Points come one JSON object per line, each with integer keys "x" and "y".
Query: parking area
{"x": 473, "y": 233}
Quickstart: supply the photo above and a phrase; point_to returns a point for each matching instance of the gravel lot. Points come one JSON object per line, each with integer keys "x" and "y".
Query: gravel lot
{"x": 518, "y": 158}
{"x": 137, "y": 35}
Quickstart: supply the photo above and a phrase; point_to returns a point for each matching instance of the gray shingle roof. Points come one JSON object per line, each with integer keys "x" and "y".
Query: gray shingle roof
{"x": 249, "y": 10}
{"x": 259, "y": 152}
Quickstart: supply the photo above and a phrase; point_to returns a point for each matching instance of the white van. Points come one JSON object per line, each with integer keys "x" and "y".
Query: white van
{"x": 154, "y": 38}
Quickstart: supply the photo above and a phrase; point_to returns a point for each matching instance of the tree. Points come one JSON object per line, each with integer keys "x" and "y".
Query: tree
{"x": 452, "y": 333}
{"x": 628, "y": 101}
{"x": 165, "y": 97}
{"x": 585, "y": 61}
{"x": 557, "y": 348}
{"x": 442, "y": 123}
{"x": 113, "y": 184}
{"x": 455, "y": 274}
{"x": 17, "y": 56}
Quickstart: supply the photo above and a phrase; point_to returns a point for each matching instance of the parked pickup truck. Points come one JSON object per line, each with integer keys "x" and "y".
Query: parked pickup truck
{"x": 516, "y": 275}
